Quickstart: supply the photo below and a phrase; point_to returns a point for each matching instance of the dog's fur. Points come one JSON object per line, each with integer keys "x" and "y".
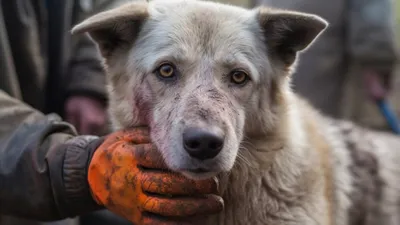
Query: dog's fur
{"x": 282, "y": 162}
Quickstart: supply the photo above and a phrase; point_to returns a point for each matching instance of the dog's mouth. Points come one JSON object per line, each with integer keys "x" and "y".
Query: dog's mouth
{"x": 198, "y": 173}
{"x": 198, "y": 170}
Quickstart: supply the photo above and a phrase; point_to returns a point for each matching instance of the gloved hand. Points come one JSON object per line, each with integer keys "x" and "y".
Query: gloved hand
{"x": 127, "y": 175}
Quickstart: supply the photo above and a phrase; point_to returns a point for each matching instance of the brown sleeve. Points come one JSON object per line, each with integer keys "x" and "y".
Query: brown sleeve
{"x": 86, "y": 76}
{"x": 42, "y": 164}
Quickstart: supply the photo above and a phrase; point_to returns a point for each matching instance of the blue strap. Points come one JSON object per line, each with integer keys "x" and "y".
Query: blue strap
{"x": 390, "y": 116}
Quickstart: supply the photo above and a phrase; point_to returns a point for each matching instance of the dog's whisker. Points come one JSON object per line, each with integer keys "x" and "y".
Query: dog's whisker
{"x": 242, "y": 158}
{"x": 248, "y": 143}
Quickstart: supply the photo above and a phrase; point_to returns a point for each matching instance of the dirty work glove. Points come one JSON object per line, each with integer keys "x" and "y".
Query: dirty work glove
{"x": 127, "y": 175}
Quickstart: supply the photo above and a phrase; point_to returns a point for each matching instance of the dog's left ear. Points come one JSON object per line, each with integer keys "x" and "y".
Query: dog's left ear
{"x": 287, "y": 32}
{"x": 115, "y": 28}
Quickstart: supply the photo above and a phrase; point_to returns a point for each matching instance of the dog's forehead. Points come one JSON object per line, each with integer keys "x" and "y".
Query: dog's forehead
{"x": 193, "y": 6}
{"x": 199, "y": 20}
{"x": 195, "y": 29}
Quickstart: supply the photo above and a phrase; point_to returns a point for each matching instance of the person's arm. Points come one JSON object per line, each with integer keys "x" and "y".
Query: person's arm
{"x": 85, "y": 95}
{"x": 86, "y": 75}
{"x": 371, "y": 35}
{"x": 43, "y": 164}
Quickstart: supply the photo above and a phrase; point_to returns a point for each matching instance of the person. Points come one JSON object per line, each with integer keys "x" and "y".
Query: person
{"x": 42, "y": 65}
{"x": 358, "y": 47}
{"x": 49, "y": 173}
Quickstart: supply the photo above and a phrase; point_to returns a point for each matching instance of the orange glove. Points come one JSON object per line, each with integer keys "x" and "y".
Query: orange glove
{"x": 127, "y": 175}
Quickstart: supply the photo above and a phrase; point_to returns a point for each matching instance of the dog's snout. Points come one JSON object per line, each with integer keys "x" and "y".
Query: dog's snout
{"x": 202, "y": 143}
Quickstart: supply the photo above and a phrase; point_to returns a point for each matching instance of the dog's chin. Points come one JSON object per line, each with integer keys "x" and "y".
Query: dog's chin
{"x": 198, "y": 175}
{"x": 180, "y": 162}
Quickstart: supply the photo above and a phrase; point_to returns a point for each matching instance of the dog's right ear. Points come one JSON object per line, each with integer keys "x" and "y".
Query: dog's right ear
{"x": 115, "y": 28}
{"x": 288, "y": 32}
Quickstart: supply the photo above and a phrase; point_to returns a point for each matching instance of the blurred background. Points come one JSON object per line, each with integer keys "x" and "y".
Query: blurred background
{"x": 397, "y": 11}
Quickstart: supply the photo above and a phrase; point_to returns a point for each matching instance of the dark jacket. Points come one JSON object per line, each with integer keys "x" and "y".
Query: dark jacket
{"x": 43, "y": 165}
{"x": 40, "y": 62}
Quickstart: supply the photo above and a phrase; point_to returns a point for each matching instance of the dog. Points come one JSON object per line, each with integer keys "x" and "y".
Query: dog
{"x": 213, "y": 83}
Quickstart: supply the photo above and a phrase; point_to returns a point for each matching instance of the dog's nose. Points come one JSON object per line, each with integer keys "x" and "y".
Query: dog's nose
{"x": 201, "y": 143}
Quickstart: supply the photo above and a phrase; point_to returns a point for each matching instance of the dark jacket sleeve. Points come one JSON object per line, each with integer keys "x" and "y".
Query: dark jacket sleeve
{"x": 43, "y": 164}
{"x": 86, "y": 75}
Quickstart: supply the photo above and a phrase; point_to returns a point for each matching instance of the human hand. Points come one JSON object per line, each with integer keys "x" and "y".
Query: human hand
{"x": 376, "y": 85}
{"x": 87, "y": 114}
{"x": 128, "y": 176}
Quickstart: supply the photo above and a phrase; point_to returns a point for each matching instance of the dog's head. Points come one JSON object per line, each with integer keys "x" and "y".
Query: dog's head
{"x": 200, "y": 74}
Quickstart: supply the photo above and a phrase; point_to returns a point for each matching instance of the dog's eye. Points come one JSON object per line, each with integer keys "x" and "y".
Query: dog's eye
{"x": 166, "y": 71}
{"x": 239, "y": 77}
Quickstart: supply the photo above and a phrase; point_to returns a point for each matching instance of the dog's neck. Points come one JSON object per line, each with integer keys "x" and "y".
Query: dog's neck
{"x": 271, "y": 173}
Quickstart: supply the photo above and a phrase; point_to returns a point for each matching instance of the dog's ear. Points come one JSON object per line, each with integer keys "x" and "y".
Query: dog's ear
{"x": 287, "y": 32}
{"x": 115, "y": 28}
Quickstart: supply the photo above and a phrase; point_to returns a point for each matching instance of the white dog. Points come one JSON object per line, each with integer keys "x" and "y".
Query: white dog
{"x": 213, "y": 83}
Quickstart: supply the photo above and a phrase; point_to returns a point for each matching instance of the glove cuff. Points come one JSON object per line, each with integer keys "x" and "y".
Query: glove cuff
{"x": 78, "y": 153}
